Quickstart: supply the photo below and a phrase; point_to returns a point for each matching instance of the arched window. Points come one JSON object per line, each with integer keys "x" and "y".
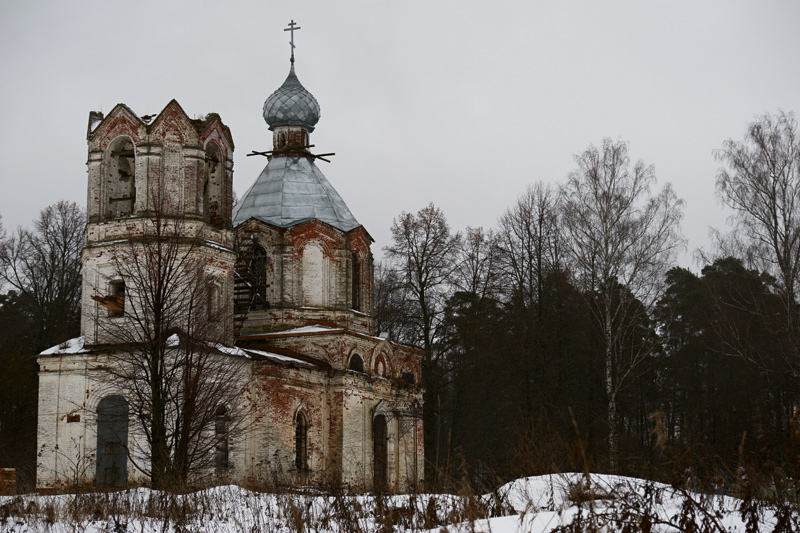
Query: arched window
{"x": 356, "y": 363}
{"x": 379, "y": 453}
{"x": 111, "y": 469}
{"x": 115, "y": 301}
{"x": 214, "y": 187}
{"x": 408, "y": 377}
{"x": 301, "y": 443}
{"x": 251, "y": 271}
{"x": 120, "y": 178}
{"x": 221, "y": 438}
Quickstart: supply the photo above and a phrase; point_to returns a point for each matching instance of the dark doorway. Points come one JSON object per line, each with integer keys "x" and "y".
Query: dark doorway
{"x": 112, "y": 442}
{"x": 379, "y": 477}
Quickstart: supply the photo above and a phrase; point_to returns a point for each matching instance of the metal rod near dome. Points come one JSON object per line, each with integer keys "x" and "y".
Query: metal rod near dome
{"x": 292, "y": 27}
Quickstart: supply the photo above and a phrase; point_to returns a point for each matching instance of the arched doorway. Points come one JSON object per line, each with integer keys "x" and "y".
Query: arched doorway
{"x": 112, "y": 442}
{"x": 379, "y": 453}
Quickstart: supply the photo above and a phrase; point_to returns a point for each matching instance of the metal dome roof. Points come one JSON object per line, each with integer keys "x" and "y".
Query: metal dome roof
{"x": 291, "y": 105}
{"x": 291, "y": 190}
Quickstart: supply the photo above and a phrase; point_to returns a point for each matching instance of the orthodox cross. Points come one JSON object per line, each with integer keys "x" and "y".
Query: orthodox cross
{"x": 292, "y": 26}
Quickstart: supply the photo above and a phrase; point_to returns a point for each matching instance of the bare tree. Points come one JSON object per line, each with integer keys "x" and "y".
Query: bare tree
{"x": 761, "y": 183}
{"x": 622, "y": 241}
{"x": 43, "y": 266}
{"x": 530, "y": 250}
{"x": 476, "y": 269}
{"x": 530, "y": 242}
{"x": 423, "y": 252}
{"x": 389, "y": 304}
{"x": 169, "y": 329}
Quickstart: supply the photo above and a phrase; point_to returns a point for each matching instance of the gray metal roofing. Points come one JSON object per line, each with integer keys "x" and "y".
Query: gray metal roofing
{"x": 291, "y": 190}
{"x": 292, "y": 105}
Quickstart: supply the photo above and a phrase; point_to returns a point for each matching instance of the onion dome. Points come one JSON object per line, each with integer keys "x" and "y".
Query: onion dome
{"x": 291, "y": 105}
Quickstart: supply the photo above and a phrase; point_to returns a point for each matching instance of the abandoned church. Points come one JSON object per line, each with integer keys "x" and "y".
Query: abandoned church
{"x": 272, "y": 319}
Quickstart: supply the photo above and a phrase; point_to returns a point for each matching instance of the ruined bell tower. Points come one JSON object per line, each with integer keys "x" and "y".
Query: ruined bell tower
{"x": 146, "y": 174}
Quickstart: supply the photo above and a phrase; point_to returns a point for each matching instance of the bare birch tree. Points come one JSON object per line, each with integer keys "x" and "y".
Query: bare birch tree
{"x": 169, "y": 355}
{"x": 622, "y": 241}
{"x": 761, "y": 183}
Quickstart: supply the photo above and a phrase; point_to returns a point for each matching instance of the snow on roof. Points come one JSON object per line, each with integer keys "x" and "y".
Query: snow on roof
{"x": 232, "y": 350}
{"x": 303, "y": 329}
{"x": 67, "y": 347}
{"x": 281, "y": 358}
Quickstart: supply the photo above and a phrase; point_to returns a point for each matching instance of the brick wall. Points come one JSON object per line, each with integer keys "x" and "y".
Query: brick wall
{"x": 8, "y": 481}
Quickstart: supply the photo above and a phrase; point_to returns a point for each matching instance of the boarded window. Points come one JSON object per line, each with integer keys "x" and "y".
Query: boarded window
{"x": 379, "y": 453}
{"x": 301, "y": 443}
{"x": 112, "y": 442}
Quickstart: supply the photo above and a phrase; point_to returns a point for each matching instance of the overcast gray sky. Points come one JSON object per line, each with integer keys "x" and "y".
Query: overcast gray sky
{"x": 460, "y": 103}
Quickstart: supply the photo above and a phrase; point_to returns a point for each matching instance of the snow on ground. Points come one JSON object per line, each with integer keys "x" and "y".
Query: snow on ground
{"x": 538, "y": 504}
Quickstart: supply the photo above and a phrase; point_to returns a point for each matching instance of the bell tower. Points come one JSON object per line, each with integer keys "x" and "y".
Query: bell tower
{"x": 157, "y": 185}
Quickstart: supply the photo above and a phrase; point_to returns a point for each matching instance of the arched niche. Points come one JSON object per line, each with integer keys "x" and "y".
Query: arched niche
{"x": 380, "y": 368}
{"x": 314, "y": 276}
{"x": 120, "y": 178}
{"x": 111, "y": 469}
{"x": 214, "y": 200}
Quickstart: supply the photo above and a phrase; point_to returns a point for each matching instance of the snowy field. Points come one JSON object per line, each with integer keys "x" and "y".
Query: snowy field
{"x": 552, "y": 503}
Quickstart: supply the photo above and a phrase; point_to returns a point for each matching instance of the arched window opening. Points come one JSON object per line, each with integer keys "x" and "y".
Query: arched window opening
{"x": 221, "y": 439}
{"x": 111, "y": 469}
{"x": 408, "y": 377}
{"x": 115, "y": 301}
{"x": 250, "y": 273}
{"x": 121, "y": 178}
{"x": 301, "y": 443}
{"x": 379, "y": 453}
{"x": 356, "y": 363}
{"x": 356, "y": 296}
{"x": 214, "y": 187}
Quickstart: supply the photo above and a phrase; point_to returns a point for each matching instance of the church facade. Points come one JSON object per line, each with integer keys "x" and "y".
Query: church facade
{"x": 286, "y": 295}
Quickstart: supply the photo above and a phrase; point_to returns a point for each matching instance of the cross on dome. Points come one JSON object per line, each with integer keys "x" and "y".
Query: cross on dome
{"x": 292, "y": 27}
